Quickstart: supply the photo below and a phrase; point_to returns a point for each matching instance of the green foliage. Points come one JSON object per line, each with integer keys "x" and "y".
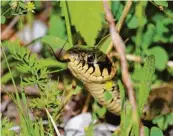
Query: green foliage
{"x": 57, "y": 27}
{"x": 161, "y": 3}
{"x": 156, "y": 132}
{"x": 6, "y": 125}
{"x": 86, "y": 14}
{"x": 145, "y": 78}
{"x": 55, "y": 42}
{"x": 117, "y": 9}
{"x": 98, "y": 111}
{"x": 107, "y": 95}
{"x": 3, "y": 19}
{"x": 133, "y": 23}
{"x": 151, "y": 35}
{"x": 164, "y": 121}
{"x": 161, "y": 57}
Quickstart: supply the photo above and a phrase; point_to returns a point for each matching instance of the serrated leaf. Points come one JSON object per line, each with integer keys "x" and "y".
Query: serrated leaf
{"x": 57, "y": 27}
{"x": 145, "y": 76}
{"x": 155, "y": 131}
{"x": 161, "y": 57}
{"x": 86, "y": 17}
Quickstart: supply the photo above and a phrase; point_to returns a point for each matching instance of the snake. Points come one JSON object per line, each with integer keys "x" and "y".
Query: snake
{"x": 98, "y": 74}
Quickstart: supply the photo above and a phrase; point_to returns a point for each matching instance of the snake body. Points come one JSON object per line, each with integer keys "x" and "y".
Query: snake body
{"x": 97, "y": 73}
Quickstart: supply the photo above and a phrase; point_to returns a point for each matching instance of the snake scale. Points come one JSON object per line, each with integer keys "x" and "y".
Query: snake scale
{"x": 97, "y": 73}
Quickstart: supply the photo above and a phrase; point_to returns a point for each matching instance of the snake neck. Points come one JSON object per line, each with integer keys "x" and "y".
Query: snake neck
{"x": 97, "y": 90}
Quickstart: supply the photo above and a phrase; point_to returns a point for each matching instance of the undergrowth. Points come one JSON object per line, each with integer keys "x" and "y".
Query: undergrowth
{"x": 84, "y": 23}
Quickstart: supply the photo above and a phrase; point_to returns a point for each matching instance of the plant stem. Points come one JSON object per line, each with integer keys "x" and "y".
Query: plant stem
{"x": 10, "y": 71}
{"x": 121, "y": 21}
{"x": 6, "y": 11}
{"x": 67, "y": 21}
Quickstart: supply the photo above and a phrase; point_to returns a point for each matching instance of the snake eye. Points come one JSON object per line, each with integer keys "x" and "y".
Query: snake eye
{"x": 90, "y": 58}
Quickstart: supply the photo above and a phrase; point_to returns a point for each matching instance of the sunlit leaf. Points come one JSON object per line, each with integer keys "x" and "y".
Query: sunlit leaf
{"x": 161, "y": 57}
{"x": 57, "y": 27}
{"x": 86, "y": 17}
{"x": 133, "y": 22}
{"x": 107, "y": 95}
{"x": 156, "y": 132}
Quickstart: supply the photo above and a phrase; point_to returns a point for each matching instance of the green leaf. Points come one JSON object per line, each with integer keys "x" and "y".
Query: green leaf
{"x": 117, "y": 9}
{"x": 3, "y": 19}
{"x": 155, "y": 131}
{"x": 107, "y": 95}
{"x": 161, "y": 57}
{"x": 122, "y": 92}
{"x": 101, "y": 112}
{"x": 145, "y": 77}
{"x": 7, "y": 77}
{"x": 146, "y": 131}
{"x": 148, "y": 36}
{"x": 161, "y": 3}
{"x": 57, "y": 27}
{"x": 86, "y": 17}
{"x": 133, "y": 23}
{"x": 55, "y": 42}
{"x": 164, "y": 121}
{"x": 105, "y": 44}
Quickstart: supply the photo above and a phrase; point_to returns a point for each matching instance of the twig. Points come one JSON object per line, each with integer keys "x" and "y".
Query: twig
{"x": 135, "y": 58}
{"x": 10, "y": 26}
{"x": 124, "y": 15}
{"x": 129, "y": 57}
{"x": 121, "y": 21}
{"x": 120, "y": 47}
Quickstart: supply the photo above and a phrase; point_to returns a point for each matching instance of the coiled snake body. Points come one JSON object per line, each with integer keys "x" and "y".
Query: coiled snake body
{"x": 97, "y": 72}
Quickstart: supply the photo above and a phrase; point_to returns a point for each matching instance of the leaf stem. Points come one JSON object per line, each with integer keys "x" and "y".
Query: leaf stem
{"x": 67, "y": 21}
{"x": 6, "y": 11}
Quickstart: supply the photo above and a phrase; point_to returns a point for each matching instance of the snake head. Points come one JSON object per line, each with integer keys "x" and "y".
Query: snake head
{"x": 89, "y": 64}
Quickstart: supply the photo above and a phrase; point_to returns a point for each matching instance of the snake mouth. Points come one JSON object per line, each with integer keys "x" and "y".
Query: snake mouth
{"x": 62, "y": 55}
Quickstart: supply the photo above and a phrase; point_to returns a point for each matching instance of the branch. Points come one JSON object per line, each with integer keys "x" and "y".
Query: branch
{"x": 135, "y": 58}
{"x": 120, "y": 47}
{"x": 121, "y": 21}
